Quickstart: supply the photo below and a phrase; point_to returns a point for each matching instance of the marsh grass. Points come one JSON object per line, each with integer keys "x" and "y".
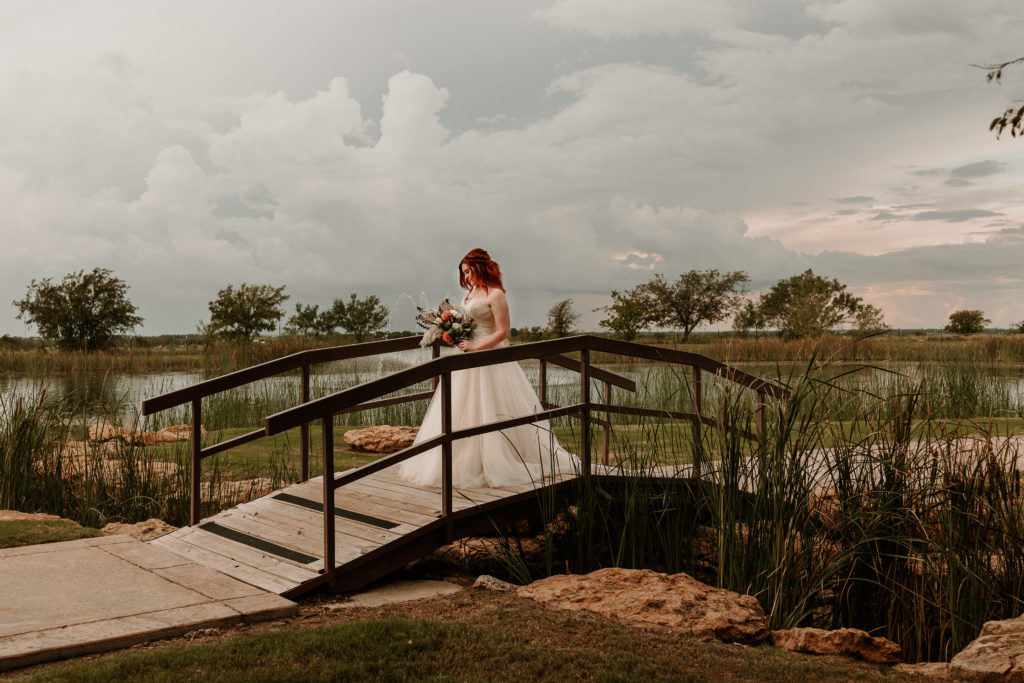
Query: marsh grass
{"x": 883, "y": 497}
{"x": 920, "y": 348}
{"x": 210, "y": 356}
{"x": 48, "y": 465}
{"x": 872, "y": 503}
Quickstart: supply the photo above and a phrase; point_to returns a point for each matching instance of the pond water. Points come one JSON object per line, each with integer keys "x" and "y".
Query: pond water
{"x": 995, "y": 387}
{"x": 122, "y": 394}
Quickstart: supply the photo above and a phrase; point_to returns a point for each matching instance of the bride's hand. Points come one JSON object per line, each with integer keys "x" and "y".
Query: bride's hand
{"x": 465, "y": 346}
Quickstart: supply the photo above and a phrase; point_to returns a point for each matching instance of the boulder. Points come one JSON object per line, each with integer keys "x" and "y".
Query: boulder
{"x": 489, "y": 583}
{"x": 78, "y": 451}
{"x": 647, "y": 598}
{"x": 105, "y": 432}
{"x": 141, "y": 531}
{"x": 924, "y": 669}
{"x": 382, "y": 439}
{"x": 996, "y": 654}
{"x": 170, "y": 434}
{"x": 850, "y": 642}
{"x": 488, "y": 553}
{"x": 158, "y": 437}
{"x": 102, "y": 431}
{"x": 492, "y": 553}
{"x": 183, "y": 432}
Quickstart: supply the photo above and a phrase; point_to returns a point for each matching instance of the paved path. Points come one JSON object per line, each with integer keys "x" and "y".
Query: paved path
{"x": 59, "y": 600}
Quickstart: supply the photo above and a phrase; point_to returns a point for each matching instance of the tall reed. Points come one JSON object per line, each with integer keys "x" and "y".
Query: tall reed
{"x": 49, "y": 464}
{"x": 857, "y": 509}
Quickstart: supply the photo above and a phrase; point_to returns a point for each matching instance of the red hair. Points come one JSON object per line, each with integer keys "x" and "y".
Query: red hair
{"x": 486, "y": 272}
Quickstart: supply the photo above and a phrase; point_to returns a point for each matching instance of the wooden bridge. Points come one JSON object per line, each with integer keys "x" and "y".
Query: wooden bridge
{"x": 349, "y": 529}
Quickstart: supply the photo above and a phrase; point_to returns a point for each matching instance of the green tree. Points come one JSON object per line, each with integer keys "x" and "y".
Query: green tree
{"x": 748, "y": 317}
{"x": 698, "y": 297}
{"x": 1017, "y": 328}
{"x": 869, "y": 320}
{"x": 85, "y": 311}
{"x": 308, "y": 321}
{"x": 528, "y": 334}
{"x": 562, "y": 319}
{"x": 359, "y": 317}
{"x": 1012, "y": 118}
{"x": 247, "y": 311}
{"x": 967, "y": 322}
{"x": 630, "y": 312}
{"x": 808, "y": 304}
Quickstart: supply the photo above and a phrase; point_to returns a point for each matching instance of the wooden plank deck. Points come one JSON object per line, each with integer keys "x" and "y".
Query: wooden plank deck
{"x": 276, "y": 542}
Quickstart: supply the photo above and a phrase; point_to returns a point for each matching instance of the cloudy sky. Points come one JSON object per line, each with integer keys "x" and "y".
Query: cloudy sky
{"x": 365, "y": 146}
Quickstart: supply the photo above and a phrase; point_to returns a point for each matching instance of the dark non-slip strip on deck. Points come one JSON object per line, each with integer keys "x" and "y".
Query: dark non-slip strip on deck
{"x": 258, "y": 543}
{"x": 338, "y": 512}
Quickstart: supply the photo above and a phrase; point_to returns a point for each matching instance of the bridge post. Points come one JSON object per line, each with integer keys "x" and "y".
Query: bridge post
{"x": 196, "y": 511}
{"x": 446, "y": 453}
{"x": 327, "y": 437}
{"x": 435, "y": 352}
{"x": 698, "y": 446}
{"x": 607, "y": 424}
{"x": 542, "y": 384}
{"x": 762, "y": 419}
{"x": 304, "y": 427}
{"x": 585, "y": 416}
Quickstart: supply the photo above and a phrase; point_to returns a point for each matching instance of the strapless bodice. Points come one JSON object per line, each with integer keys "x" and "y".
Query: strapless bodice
{"x": 480, "y": 312}
{"x": 483, "y": 317}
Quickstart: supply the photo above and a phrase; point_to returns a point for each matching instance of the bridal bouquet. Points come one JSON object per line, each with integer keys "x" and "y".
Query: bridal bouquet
{"x": 445, "y": 322}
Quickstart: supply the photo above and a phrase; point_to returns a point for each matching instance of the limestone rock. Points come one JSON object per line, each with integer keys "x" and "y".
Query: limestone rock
{"x": 850, "y": 642}
{"x": 102, "y": 432}
{"x": 382, "y": 439}
{"x": 484, "y": 554}
{"x": 141, "y": 531}
{"x": 996, "y": 654}
{"x": 925, "y": 669}
{"x": 158, "y": 437}
{"x": 645, "y": 597}
{"x": 170, "y": 434}
{"x": 105, "y": 432}
{"x": 489, "y": 583}
{"x": 76, "y": 452}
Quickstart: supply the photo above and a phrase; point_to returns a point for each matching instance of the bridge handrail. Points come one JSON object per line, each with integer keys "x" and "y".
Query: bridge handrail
{"x": 325, "y": 408}
{"x": 303, "y": 360}
{"x": 277, "y": 366}
{"x": 346, "y": 398}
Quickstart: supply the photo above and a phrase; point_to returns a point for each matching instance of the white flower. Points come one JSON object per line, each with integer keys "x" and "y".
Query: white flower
{"x": 457, "y": 315}
{"x": 456, "y": 327}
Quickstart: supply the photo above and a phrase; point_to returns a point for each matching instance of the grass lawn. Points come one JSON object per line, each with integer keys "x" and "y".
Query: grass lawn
{"x": 471, "y": 636}
{"x": 19, "y": 532}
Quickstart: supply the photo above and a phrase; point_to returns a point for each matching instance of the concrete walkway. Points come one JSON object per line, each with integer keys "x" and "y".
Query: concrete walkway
{"x": 59, "y": 600}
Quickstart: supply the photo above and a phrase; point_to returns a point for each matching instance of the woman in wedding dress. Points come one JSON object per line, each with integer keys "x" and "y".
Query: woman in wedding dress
{"x": 488, "y": 394}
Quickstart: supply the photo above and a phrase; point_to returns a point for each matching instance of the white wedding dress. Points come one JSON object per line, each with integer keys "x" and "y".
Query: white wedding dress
{"x": 489, "y": 394}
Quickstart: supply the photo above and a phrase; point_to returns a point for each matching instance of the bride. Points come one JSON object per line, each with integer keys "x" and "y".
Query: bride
{"x": 488, "y": 394}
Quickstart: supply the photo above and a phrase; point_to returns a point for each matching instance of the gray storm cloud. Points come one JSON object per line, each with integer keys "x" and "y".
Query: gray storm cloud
{"x": 586, "y": 144}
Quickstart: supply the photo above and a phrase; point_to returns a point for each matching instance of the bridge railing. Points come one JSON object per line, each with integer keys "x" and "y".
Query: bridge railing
{"x": 304, "y": 360}
{"x": 325, "y": 408}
